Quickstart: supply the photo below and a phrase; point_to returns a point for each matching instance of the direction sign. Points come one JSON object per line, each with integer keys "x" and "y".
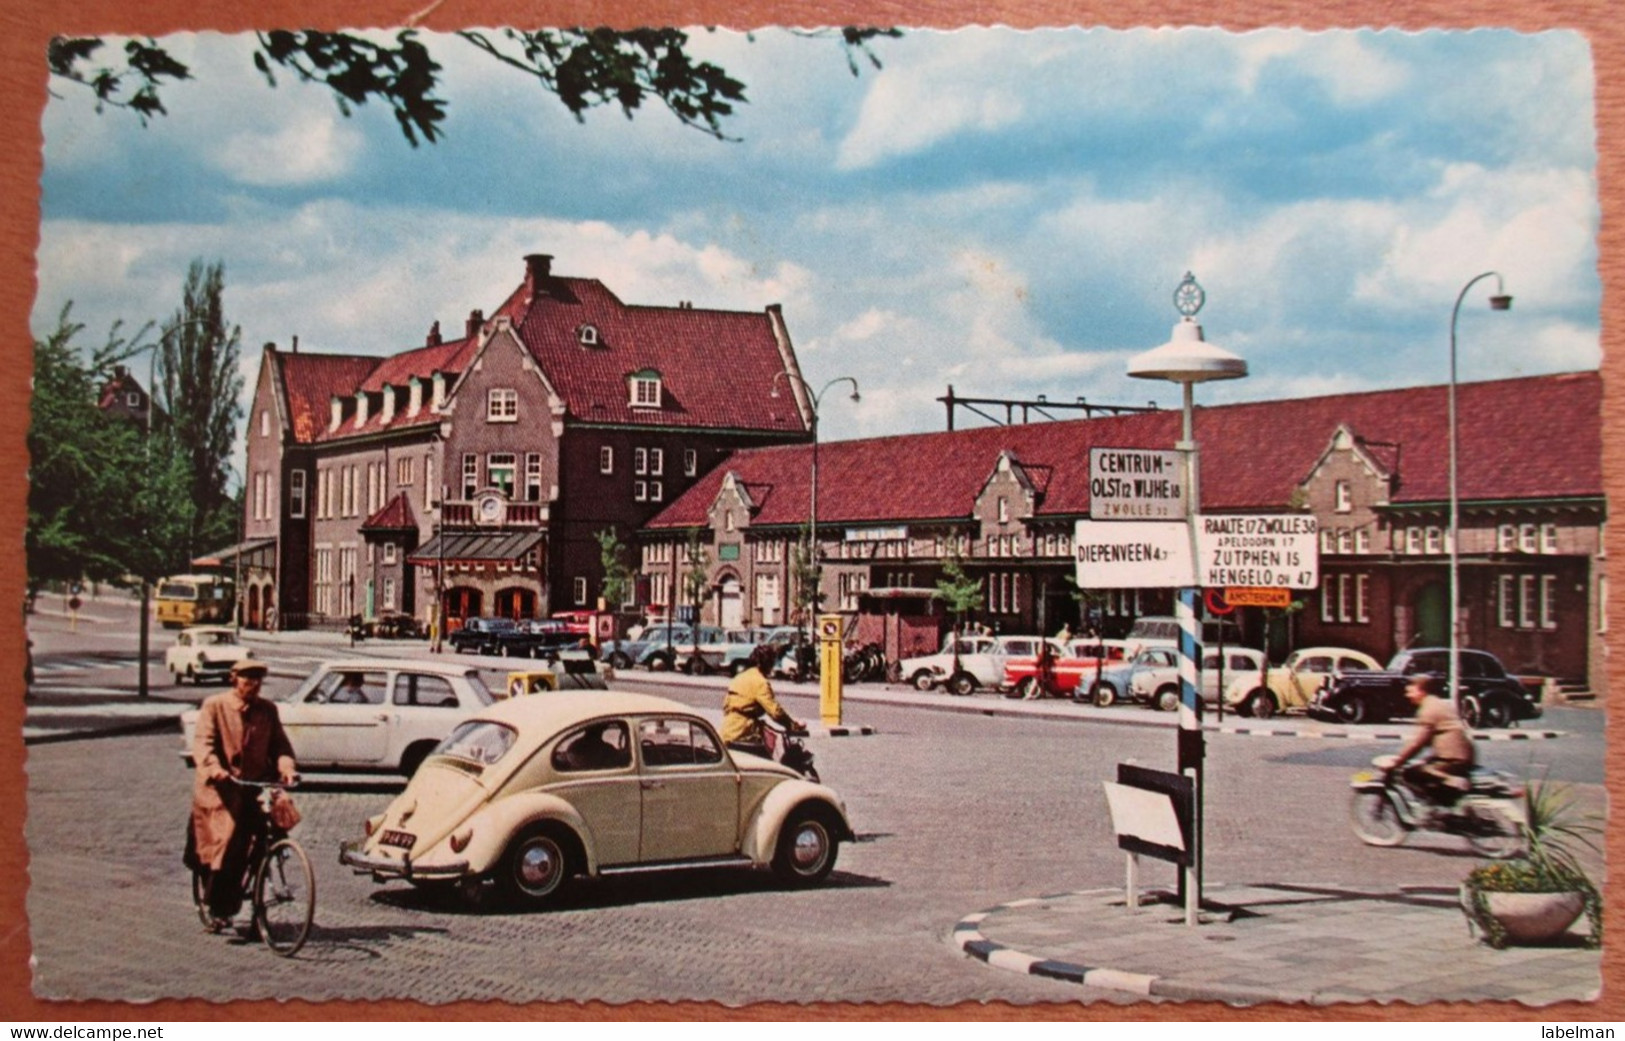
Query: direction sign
{"x": 1257, "y": 596}
{"x": 1136, "y": 484}
{"x": 1132, "y": 554}
{"x": 1279, "y": 550}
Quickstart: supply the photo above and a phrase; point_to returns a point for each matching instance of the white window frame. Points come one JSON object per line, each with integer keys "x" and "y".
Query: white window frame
{"x": 1435, "y": 539}
{"x": 533, "y": 476}
{"x": 1527, "y": 539}
{"x": 1362, "y": 540}
{"x": 296, "y": 494}
{"x": 1343, "y": 493}
{"x": 578, "y": 588}
{"x": 493, "y": 463}
{"x": 657, "y": 462}
{"x": 1548, "y": 538}
{"x": 1526, "y": 601}
{"x": 640, "y": 491}
{"x": 1506, "y": 592}
{"x": 403, "y": 472}
{"x": 691, "y": 462}
{"x": 389, "y": 594}
{"x": 502, "y": 405}
{"x": 646, "y": 392}
{"x": 640, "y": 461}
{"x": 471, "y": 474}
{"x": 606, "y": 459}
{"x": 265, "y": 417}
{"x": 1548, "y": 601}
{"x": 1505, "y": 538}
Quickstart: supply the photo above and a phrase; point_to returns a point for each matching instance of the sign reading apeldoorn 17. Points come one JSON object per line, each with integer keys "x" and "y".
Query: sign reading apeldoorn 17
{"x": 1136, "y": 484}
{"x": 1257, "y": 550}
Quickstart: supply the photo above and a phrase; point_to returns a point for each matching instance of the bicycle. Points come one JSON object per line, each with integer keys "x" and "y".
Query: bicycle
{"x": 278, "y": 878}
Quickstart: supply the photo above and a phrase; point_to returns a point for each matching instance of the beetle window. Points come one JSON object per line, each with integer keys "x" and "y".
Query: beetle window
{"x": 676, "y": 742}
{"x": 599, "y": 746}
{"x": 478, "y": 741}
{"x": 414, "y": 688}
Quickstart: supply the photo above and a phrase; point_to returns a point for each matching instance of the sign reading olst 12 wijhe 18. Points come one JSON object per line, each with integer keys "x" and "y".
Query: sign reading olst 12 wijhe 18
{"x": 1279, "y": 550}
{"x": 1136, "y": 484}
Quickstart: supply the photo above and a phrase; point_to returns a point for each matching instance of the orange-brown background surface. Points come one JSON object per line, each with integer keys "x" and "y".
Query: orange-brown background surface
{"x": 27, "y": 25}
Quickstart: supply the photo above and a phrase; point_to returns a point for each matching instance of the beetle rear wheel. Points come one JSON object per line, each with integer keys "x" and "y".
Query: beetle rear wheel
{"x": 807, "y": 849}
{"x": 535, "y": 867}
{"x": 284, "y": 897}
{"x": 1376, "y": 819}
{"x": 1260, "y": 705}
{"x": 1166, "y": 699}
{"x": 1104, "y": 694}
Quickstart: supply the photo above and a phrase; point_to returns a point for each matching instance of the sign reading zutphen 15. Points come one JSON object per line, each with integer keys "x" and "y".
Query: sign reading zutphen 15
{"x": 1274, "y": 550}
{"x": 1136, "y": 484}
{"x": 1132, "y": 554}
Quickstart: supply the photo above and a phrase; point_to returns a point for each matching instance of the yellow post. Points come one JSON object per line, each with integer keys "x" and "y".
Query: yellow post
{"x": 829, "y": 669}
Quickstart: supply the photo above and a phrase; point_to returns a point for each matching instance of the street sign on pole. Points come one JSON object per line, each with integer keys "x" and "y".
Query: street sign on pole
{"x": 1279, "y": 550}
{"x": 1136, "y": 484}
{"x": 1254, "y": 596}
{"x": 1132, "y": 554}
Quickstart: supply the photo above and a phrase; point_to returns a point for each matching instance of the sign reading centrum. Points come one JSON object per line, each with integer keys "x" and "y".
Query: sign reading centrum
{"x": 1258, "y": 550}
{"x": 1132, "y": 554}
{"x": 1135, "y": 484}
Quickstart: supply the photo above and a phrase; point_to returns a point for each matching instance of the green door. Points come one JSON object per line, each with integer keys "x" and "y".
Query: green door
{"x": 1431, "y": 609}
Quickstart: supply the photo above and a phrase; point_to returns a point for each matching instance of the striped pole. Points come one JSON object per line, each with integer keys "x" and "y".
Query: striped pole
{"x": 1190, "y": 736}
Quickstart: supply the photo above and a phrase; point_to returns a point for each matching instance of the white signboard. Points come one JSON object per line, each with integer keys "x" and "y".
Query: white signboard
{"x": 1136, "y": 484}
{"x": 1148, "y": 816}
{"x": 1278, "y": 550}
{"x": 1132, "y": 554}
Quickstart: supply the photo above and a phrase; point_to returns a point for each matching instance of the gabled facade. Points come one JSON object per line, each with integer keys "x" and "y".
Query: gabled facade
{"x": 1372, "y": 468}
{"x": 468, "y": 476}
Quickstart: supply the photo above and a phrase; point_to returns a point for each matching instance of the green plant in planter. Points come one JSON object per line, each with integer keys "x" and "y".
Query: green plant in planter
{"x": 1553, "y": 831}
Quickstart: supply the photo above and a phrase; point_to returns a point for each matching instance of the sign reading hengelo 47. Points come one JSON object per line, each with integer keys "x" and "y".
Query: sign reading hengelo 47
{"x": 1278, "y": 550}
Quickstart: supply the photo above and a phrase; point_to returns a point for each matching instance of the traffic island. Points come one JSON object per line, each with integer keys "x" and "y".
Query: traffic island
{"x": 1304, "y": 943}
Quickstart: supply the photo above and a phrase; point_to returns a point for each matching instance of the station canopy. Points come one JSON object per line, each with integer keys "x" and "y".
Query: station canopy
{"x": 499, "y": 547}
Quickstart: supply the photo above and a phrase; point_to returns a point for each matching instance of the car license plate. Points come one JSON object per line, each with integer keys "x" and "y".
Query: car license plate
{"x": 403, "y": 839}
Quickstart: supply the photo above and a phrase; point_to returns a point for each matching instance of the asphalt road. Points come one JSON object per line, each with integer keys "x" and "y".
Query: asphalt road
{"x": 956, "y": 812}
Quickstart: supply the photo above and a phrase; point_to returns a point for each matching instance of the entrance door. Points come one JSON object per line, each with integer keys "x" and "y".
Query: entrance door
{"x": 1431, "y": 609}
{"x": 461, "y": 602}
{"x": 732, "y": 605}
{"x": 253, "y": 607}
{"x": 516, "y": 602}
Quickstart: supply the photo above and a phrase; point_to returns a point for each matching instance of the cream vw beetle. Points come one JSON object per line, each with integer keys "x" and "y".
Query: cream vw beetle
{"x": 535, "y": 790}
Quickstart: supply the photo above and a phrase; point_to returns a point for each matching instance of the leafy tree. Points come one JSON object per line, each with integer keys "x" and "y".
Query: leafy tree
{"x": 584, "y": 68}
{"x": 199, "y": 393}
{"x": 696, "y": 577}
{"x": 619, "y": 579}
{"x": 960, "y": 592}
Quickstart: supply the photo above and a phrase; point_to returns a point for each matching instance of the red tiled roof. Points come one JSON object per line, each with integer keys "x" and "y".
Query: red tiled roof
{"x": 1536, "y": 437}
{"x": 397, "y": 369}
{"x": 716, "y": 367}
{"x": 395, "y": 515}
{"x": 311, "y": 380}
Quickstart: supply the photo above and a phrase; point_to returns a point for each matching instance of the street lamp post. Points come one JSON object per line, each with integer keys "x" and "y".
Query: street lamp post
{"x": 814, "y": 401}
{"x": 1500, "y": 301}
{"x": 1187, "y": 359}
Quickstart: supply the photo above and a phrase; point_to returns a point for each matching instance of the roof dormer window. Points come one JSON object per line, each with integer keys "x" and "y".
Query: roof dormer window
{"x": 587, "y": 334}
{"x": 646, "y": 389}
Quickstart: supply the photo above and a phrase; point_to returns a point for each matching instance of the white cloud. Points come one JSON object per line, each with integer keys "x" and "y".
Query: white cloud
{"x": 308, "y": 148}
{"x": 1352, "y": 71}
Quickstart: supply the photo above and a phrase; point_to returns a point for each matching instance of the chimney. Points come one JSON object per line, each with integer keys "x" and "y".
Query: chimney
{"x": 338, "y": 413}
{"x": 414, "y": 397}
{"x": 270, "y": 346}
{"x": 538, "y": 269}
{"x": 476, "y": 318}
{"x": 434, "y": 335}
{"x": 294, "y": 347}
{"x": 119, "y": 372}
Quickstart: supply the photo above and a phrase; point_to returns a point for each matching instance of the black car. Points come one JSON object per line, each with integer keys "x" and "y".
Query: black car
{"x": 1490, "y": 696}
{"x": 539, "y": 638}
{"x": 481, "y": 635}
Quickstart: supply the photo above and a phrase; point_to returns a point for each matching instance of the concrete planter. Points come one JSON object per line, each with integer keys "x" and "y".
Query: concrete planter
{"x": 1528, "y": 917}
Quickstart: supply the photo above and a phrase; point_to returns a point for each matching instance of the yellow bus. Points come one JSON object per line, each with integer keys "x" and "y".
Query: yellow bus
{"x": 194, "y": 600}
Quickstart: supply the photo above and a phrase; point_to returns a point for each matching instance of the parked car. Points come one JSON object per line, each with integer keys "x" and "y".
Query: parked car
{"x": 714, "y": 644}
{"x": 538, "y": 638}
{"x": 371, "y": 714}
{"x": 579, "y": 622}
{"x": 663, "y": 658}
{"x": 981, "y": 663}
{"x": 538, "y": 790}
{"x": 1158, "y": 685}
{"x": 1290, "y": 686}
{"x": 393, "y": 625}
{"x": 655, "y": 639}
{"x": 1489, "y": 696}
{"x": 736, "y": 656}
{"x": 1160, "y": 630}
{"x": 1114, "y": 680}
{"x": 204, "y": 652}
{"x": 481, "y": 635}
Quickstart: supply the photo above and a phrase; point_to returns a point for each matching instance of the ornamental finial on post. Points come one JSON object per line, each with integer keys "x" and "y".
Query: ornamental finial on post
{"x": 1189, "y": 296}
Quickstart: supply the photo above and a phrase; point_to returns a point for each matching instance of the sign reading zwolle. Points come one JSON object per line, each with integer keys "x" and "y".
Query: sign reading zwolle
{"x": 1136, "y": 484}
{"x": 1132, "y": 554}
{"x": 1278, "y": 550}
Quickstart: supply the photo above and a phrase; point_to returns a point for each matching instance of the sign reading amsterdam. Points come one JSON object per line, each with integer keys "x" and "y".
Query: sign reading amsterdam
{"x": 1258, "y": 550}
{"x": 1136, "y": 484}
{"x": 1132, "y": 554}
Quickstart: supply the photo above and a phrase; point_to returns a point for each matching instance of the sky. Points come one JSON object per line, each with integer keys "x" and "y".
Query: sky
{"x": 1001, "y": 211}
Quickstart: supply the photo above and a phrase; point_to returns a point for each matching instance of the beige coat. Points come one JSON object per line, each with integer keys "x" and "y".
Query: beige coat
{"x": 234, "y": 738}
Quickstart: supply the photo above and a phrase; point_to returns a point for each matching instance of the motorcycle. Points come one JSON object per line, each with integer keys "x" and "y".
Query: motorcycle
{"x": 787, "y": 748}
{"x": 1490, "y": 815}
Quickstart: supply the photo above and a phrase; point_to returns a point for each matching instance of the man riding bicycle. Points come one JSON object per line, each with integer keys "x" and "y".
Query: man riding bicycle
{"x": 239, "y": 736}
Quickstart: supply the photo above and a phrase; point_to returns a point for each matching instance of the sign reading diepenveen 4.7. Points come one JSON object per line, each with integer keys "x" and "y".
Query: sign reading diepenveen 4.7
{"x": 1136, "y": 484}
{"x": 1257, "y": 550}
{"x": 1132, "y": 554}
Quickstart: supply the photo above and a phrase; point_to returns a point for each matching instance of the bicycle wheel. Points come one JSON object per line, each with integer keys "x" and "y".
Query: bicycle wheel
{"x": 200, "y": 898}
{"x": 284, "y": 897}
{"x": 1376, "y": 821}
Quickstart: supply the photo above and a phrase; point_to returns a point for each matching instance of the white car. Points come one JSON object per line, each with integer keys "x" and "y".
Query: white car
{"x": 981, "y": 663}
{"x": 1160, "y": 686}
{"x": 1293, "y": 684}
{"x": 204, "y": 652}
{"x": 372, "y": 714}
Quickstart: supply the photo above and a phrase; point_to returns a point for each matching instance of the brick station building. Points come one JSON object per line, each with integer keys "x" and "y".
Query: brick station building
{"x": 1371, "y": 468}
